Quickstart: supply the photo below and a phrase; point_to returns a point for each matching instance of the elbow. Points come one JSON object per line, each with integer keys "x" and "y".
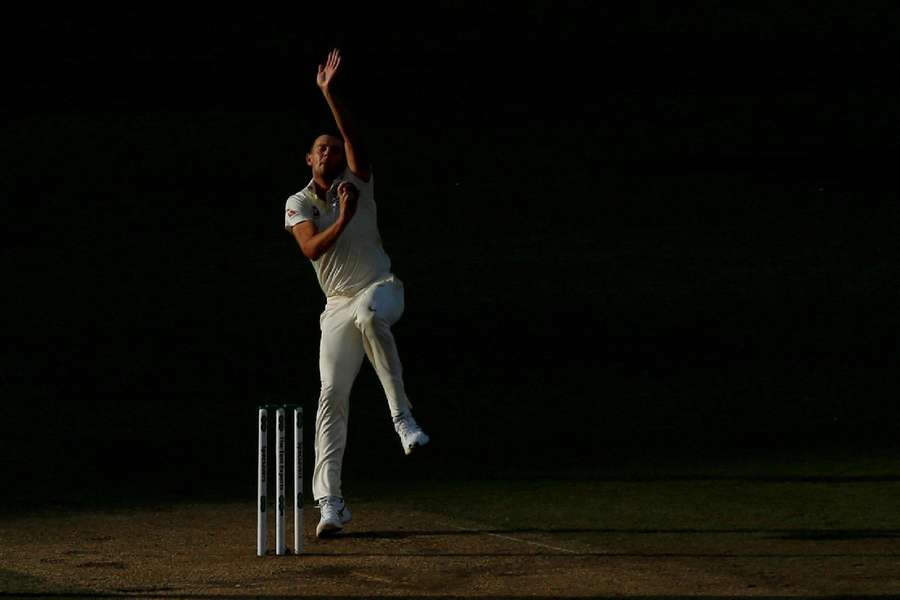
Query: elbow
{"x": 310, "y": 252}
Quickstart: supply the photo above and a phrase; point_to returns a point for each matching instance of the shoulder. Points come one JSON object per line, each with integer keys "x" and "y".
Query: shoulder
{"x": 298, "y": 208}
{"x": 298, "y": 199}
{"x": 358, "y": 181}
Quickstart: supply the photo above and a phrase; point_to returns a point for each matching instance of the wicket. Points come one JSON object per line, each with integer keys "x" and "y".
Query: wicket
{"x": 262, "y": 524}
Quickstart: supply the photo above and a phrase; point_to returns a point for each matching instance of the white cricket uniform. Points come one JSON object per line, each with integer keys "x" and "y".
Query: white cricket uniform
{"x": 363, "y": 300}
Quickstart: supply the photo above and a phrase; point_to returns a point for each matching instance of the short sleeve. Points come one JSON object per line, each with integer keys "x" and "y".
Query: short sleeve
{"x": 296, "y": 210}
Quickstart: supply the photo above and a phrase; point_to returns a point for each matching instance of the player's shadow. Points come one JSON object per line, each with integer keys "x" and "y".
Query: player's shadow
{"x": 785, "y": 534}
{"x": 382, "y": 535}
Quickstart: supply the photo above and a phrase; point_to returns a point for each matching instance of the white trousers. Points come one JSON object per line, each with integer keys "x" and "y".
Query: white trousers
{"x": 353, "y": 327}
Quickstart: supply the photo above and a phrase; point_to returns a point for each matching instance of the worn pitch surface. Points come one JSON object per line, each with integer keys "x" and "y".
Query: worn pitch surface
{"x": 658, "y": 536}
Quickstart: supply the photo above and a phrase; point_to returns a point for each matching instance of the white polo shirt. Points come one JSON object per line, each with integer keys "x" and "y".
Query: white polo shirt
{"x": 357, "y": 258}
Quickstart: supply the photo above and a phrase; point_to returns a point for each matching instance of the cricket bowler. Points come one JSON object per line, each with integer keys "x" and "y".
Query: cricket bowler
{"x": 334, "y": 221}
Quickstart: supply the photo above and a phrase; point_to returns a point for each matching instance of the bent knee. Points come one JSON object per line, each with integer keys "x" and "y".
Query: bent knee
{"x": 369, "y": 317}
{"x": 372, "y": 317}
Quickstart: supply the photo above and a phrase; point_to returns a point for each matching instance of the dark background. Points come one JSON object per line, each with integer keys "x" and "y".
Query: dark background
{"x": 655, "y": 232}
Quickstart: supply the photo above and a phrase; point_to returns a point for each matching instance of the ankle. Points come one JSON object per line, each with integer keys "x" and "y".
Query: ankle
{"x": 402, "y": 416}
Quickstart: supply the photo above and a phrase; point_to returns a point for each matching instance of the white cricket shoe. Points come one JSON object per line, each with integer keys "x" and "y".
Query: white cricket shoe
{"x": 333, "y": 515}
{"x": 411, "y": 435}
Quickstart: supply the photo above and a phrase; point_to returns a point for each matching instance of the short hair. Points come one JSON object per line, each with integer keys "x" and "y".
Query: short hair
{"x": 312, "y": 144}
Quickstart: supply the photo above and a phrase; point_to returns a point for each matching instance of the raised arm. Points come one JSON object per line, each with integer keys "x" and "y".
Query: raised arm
{"x": 357, "y": 157}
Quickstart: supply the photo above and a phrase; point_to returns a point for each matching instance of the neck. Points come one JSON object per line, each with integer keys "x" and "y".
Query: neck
{"x": 321, "y": 185}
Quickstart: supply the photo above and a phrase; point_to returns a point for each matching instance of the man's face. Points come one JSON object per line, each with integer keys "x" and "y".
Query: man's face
{"x": 326, "y": 157}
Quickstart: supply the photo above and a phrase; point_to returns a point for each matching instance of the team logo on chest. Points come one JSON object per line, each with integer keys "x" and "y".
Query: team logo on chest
{"x": 315, "y": 212}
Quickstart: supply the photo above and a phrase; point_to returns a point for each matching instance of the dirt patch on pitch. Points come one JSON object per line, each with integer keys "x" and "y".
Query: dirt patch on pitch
{"x": 394, "y": 550}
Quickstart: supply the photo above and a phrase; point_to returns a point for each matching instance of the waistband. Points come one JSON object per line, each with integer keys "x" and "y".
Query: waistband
{"x": 390, "y": 277}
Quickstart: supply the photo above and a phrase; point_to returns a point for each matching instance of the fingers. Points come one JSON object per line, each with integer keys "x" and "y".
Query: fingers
{"x": 334, "y": 59}
{"x": 348, "y": 196}
{"x": 347, "y": 199}
{"x": 348, "y": 185}
{"x": 328, "y": 70}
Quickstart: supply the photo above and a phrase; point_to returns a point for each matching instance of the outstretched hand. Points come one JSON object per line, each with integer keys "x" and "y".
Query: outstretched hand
{"x": 327, "y": 72}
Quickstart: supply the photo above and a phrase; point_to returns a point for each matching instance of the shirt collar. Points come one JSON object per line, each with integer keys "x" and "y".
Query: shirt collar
{"x": 311, "y": 186}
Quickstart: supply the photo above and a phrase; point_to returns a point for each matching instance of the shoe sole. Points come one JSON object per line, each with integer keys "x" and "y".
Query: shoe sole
{"x": 409, "y": 449}
{"x": 328, "y": 529}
